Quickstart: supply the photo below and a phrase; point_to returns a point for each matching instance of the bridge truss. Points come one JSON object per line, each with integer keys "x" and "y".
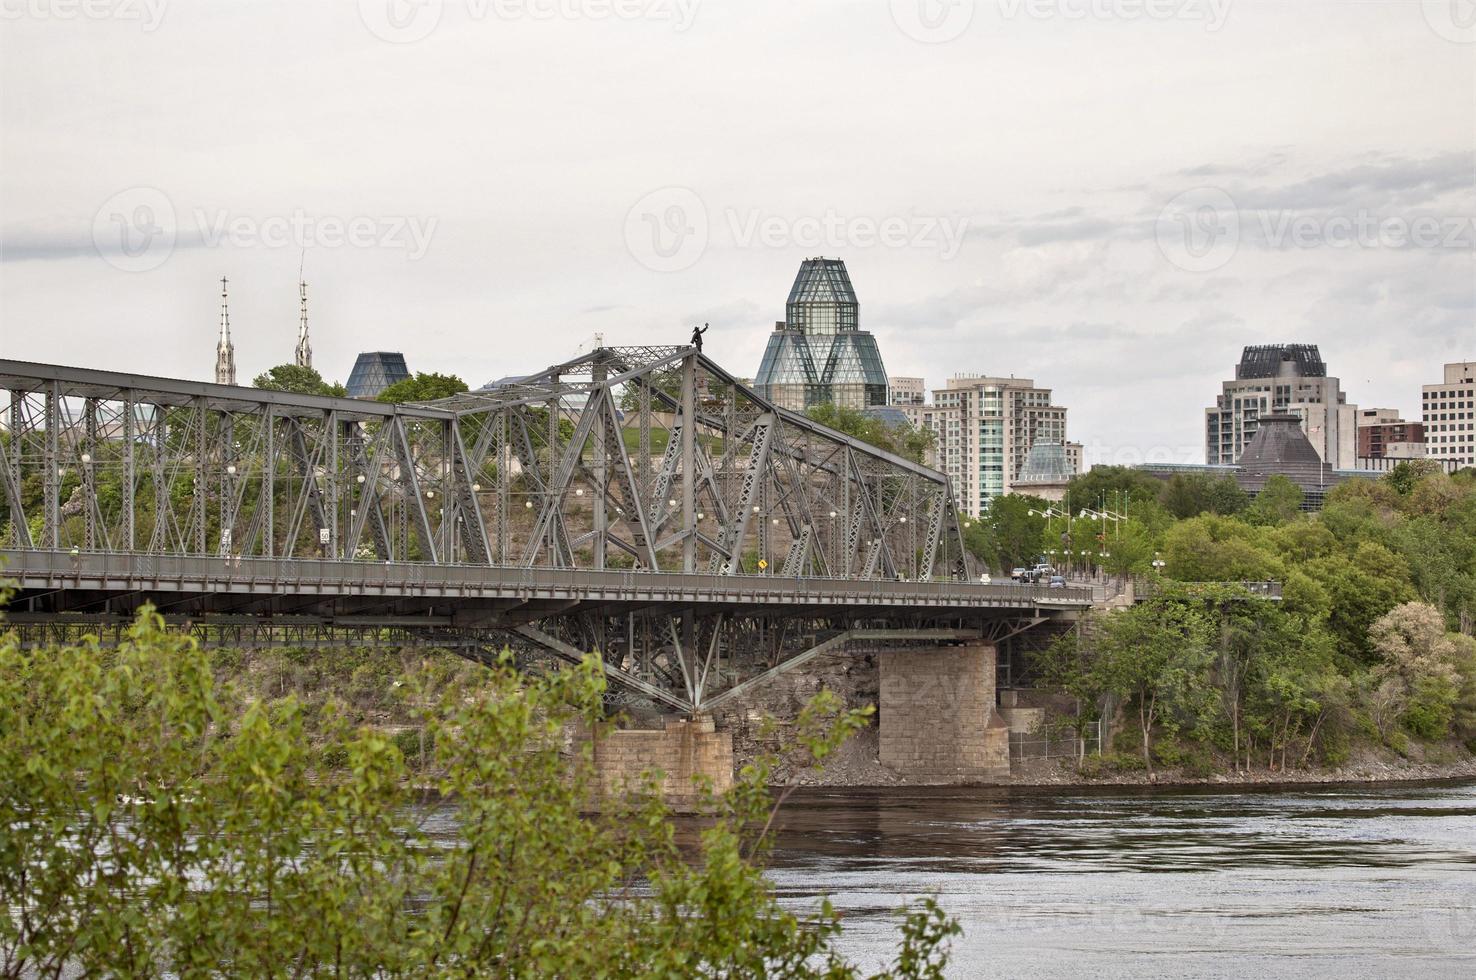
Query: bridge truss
{"x": 649, "y": 464}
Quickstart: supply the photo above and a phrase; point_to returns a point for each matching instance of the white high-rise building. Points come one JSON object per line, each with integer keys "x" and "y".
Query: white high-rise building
{"x": 985, "y": 428}
{"x": 1449, "y": 413}
{"x": 1280, "y": 379}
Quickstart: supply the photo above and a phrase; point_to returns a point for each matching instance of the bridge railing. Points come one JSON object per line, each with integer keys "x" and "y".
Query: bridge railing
{"x": 307, "y": 576}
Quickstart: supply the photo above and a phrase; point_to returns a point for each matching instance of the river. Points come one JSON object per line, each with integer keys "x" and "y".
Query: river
{"x": 1347, "y": 881}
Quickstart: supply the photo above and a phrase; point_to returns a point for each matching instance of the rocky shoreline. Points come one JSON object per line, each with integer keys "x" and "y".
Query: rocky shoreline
{"x": 855, "y": 766}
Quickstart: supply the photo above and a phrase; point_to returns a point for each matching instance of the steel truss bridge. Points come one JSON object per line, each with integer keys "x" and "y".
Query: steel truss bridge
{"x": 638, "y": 502}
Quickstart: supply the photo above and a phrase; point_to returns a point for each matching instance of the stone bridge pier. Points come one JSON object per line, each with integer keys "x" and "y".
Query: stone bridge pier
{"x": 686, "y": 758}
{"x": 937, "y": 719}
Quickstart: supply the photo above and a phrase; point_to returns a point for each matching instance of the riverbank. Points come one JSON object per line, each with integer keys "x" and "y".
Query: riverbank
{"x": 856, "y": 766}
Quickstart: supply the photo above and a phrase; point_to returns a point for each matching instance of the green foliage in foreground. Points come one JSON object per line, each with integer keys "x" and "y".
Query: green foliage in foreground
{"x": 159, "y": 823}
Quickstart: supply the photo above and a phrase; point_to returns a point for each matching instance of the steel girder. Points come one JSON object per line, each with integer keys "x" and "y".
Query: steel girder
{"x": 648, "y": 461}
{"x": 646, "y": 458}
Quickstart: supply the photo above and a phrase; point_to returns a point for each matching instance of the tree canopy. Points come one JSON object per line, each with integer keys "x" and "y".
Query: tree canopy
{"x": 299, "y": 380}
{"x": 907, "y": 441}
{"x": 422, "y": 387}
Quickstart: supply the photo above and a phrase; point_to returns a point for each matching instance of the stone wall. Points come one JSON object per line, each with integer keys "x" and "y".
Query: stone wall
{"x": 685, "y": 753}
{"x": 937, "y": 717}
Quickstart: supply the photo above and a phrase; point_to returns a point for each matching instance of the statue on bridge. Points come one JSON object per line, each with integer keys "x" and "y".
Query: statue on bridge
{"x": 697, "y": 333}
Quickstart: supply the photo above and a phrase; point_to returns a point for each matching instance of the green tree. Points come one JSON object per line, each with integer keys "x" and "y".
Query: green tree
{"x": 1217, "y": 549}
{"x": 1278, "y": 502}
{"x": 299, "y": 380}
{"x": 422, "y": 387}
{"x": 161, "y": 824}
{"x": 1008, "y": 535}
{"x": 1191, "y": 494}
{"x": 1430, "y": 667}
{"x": 1106, "y": 486}
{"x": 906, "y": 441}
{"x": 1157, "y": 657}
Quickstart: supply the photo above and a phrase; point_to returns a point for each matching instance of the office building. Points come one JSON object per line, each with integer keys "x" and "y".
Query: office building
{"x": 1383, "y": 433}
{"x": 1282, "y": 379}
{"x": 818, "y": 353}
{"x": 1449, "y": 413}
{"x": 906, "y": 391}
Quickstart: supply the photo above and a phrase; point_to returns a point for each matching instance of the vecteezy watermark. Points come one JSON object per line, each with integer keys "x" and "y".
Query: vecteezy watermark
{"x": 408, "y": 21}
{"x": 669, "y": 229}
{"x": 138, "y": 229}
{"x": 933, "y": 21}
{"x": 1211, "y": 13}
{"x": 407, "y": 233}
{"x": 135, "y": 229}
{"x": 149, "y": 13}
{"x": 938, "y": 21}
{"x": 1201, "y": 230}
{"x": 1454, "y": 20}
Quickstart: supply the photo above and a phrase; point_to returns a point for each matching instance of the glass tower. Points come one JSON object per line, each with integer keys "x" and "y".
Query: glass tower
{"x": 819, "y": 354}
{"x": 375, "y": 371}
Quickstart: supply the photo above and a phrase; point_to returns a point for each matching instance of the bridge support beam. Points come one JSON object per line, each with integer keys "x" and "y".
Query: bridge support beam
{"x": 937, "y": 720}
{"x": 689, "y": 755}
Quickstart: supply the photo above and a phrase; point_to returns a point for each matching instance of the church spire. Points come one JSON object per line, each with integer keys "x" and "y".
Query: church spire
{"x": 304, "y": 352}
{"x": 225, "y": 351}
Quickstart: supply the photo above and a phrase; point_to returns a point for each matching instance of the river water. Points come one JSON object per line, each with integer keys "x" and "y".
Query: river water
{"x": 1331, "y": 881}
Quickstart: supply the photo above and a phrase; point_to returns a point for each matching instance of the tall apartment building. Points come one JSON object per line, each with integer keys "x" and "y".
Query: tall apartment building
{"x": 1279, "y": 379}
{"x": 985, "y": 428}
{"x": 1449, "y": 412}
{"x": 819, "y": 353}
{"x": 1383, "y": 433}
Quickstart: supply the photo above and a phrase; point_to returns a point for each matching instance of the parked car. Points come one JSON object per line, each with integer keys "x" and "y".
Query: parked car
{"x": 1019, "y": 574}
{"x": 1056, "y": 582}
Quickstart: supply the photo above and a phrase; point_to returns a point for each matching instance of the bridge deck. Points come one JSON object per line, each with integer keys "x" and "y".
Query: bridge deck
{"x": 60, "y": 581}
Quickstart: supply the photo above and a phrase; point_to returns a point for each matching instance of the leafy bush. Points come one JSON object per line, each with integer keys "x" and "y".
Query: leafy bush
{"x": 160, "y": 825}
{"x": 1431, "y": 707}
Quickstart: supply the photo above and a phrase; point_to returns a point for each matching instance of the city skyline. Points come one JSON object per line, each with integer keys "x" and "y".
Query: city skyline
{"x": 984, "y": 241}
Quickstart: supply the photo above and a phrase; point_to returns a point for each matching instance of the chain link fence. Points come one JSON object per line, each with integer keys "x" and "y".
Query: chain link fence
{"x": 1055, "y": 745}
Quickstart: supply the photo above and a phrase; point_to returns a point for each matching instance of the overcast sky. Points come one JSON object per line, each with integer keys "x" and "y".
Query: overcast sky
{"x": 1109, "y": 196}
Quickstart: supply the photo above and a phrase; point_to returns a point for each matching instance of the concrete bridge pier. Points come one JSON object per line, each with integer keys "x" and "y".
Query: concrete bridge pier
{"x": 937, "y": 719}
{"x": 688, "y": 754}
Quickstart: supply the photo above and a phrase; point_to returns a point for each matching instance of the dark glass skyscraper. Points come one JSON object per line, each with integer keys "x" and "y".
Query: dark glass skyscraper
{"x": 819, "y": 354}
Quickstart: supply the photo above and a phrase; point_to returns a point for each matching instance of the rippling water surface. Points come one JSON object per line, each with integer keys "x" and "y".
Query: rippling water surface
{"x": 1349, "y": 881}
